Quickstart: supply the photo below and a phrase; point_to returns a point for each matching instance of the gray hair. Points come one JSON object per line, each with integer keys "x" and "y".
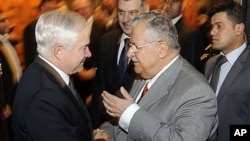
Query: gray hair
{"x": 56, "y": 28}
{"x": 143, "y": 2}
{"x": 158, "y": 27}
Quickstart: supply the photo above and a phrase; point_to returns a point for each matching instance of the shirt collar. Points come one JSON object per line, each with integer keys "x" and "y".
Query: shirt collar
{"x": 233, "y": 55}
{"x": 176, "y": 19}
{"x": 64, "y": 76}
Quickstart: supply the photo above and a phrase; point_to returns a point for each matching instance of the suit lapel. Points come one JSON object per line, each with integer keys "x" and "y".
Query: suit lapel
{"x": 162, "y": 85}
{"x": 58, "y": 79}
{"x": 210, "y": 67}
{"x": 233, "y": 73}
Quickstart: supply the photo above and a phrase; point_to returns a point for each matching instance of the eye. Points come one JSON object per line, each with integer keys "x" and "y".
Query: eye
{"x": 133, "y": 13}
{"x": 120, "y": 12}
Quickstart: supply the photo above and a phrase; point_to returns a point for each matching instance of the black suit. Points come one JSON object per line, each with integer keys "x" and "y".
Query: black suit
{"x": 45, "y": 109}
{"x": 192, "y": 43}
{"x": 107, "y": 77}
{"x": 29, "y": 42}
{"x": 85, "y": 88}
{"x": 234, "y": 95}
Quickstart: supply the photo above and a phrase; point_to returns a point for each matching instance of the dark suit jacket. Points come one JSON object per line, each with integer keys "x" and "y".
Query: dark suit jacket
{"x": 6, "y": 82}
{"x": 107, "y": 77}
{"x": 45, "y": 109}
{"x": 234, "y": 95}
{"x": 29, "y": 42}
{"x": 85, "y": 88}
{"x": 192, "y": 43}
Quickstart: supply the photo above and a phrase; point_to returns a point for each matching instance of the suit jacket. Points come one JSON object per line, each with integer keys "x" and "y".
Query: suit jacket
{"x": 233, "y": 97}
{"x": 107, "y": 77}
{"x": 45, "y": 109}
{"x": 180, "y": 105}
{"x": 29, "y": 42}
{"x": 85, "y": 88}
{"x": 192, "y": 43}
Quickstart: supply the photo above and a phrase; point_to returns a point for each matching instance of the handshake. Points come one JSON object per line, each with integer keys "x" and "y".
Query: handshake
{"x": 101, "y": 135}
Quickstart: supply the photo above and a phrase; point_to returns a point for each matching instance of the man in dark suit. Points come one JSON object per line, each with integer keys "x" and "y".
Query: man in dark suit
{"x": 171, "y": 101}
{"x": 46, "y": 106}
{"x": 83, "y": 80}
{"x": 232, "y": 87}
{"x": 191, "y": 39}
{"x": 111, "y": 46}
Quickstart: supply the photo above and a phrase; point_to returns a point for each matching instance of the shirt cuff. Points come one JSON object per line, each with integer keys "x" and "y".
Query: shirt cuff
{"x": 127, "y": 115}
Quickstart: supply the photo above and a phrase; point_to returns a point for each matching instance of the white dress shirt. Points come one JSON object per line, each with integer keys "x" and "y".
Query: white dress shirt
{"x": 64, "y": 76}
{"x": 225, "y": 68}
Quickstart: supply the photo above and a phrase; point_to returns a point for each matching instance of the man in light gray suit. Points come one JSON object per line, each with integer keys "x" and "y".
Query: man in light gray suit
{"x": 179, "y": 103}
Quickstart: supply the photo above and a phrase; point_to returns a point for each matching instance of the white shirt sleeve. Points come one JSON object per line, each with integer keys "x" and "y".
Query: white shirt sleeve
{"x": 127, "y": 116}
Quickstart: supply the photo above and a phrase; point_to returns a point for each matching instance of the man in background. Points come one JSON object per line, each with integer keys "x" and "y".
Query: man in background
{"x": 229, "y": 71}
{"x": 191, "y": 39}
{"x": 114, "y": 69}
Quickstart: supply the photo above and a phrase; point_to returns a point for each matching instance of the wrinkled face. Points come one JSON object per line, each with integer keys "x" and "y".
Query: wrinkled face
{"x": 146, "y": 58}
{"x": 223, "y": 32}
{"x": 127, "y": 10}
{"x": 172, "y": 7}
{"x": 73, "y": 59}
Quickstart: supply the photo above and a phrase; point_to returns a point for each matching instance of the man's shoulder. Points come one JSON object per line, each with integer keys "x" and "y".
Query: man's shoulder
{"x": 116, "y": 33}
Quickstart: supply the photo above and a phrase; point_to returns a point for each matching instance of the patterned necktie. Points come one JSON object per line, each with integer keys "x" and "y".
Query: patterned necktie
{"x": 74, "y": 92}
{"x": 216, "y": 73}
{"x": 144, "y": 92}
{"x": 123, "y": 61}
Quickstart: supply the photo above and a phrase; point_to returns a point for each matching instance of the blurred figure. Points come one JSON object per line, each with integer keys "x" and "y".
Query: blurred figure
{"x": 83, "y": 80}
{"x": 184, "y": 16}
{"x": 114, "y": 69}
{"x": 55, "y": 111}
{"x": 229, "y": 71}
{"x": 10, "y": 73}
{"x": 107, "y": 13}
{"x": 29, "y": 41}
{"x": 170, "y": 100}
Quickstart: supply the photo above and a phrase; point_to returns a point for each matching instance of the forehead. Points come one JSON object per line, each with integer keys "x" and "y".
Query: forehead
{"x": 138, "y": 31}
{"x": 81, "y": 3}
{"x": 219, "y": 17}
{"x": 128, "y": 5}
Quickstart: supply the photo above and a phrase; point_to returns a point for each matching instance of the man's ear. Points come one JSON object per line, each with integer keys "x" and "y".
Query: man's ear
{"x": 163, "y": 50}
{"x": 240, "y": 28}
{"x": 58, "y": 52}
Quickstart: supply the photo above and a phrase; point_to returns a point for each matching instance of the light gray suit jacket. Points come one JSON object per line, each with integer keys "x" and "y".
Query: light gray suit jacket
{"x": 179, "y": 106}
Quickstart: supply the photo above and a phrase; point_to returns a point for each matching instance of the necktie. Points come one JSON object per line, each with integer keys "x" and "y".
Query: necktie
{"x": 144, "y": 91}
{"x": 216, "y": 73}
{"x": 123, "y": 61}
{"x": 75, "y": 93}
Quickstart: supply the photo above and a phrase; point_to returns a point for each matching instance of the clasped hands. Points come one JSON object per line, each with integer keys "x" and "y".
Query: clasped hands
{"x": 114, "y": 105}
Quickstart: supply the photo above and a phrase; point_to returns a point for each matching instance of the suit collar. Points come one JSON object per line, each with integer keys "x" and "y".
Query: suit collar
{"x": 54, "y": 76}
{"x": 233, "y": 73}
{"x": 162, "y": 85}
